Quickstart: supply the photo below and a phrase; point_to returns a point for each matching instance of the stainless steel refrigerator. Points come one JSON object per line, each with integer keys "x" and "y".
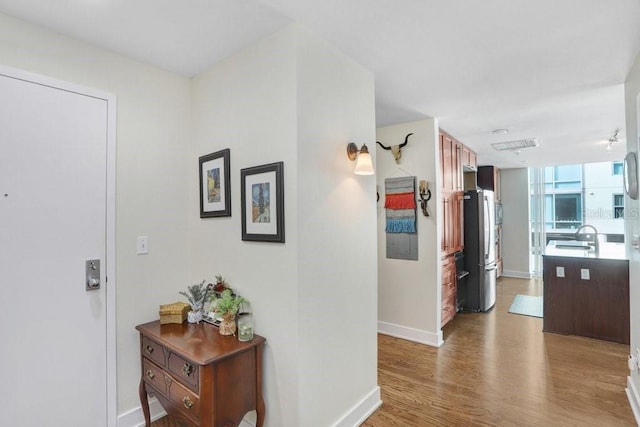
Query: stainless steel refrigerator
{"x": 479, "y": 250}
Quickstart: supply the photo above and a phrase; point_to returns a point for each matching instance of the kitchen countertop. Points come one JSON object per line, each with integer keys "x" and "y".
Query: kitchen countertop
{"x": 606, "y": 250}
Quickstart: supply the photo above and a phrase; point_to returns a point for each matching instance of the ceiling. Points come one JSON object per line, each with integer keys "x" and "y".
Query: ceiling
{"x": 547, "y": 69}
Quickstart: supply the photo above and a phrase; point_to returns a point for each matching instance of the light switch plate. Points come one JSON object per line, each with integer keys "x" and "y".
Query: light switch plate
{"x": 559, "y": 271}
{"x": 584, "y": 274}
{"x": 142, "y": 245}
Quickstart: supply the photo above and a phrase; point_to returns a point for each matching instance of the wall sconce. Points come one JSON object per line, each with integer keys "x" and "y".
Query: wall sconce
{"x": 364, "y": 165}
{"x": 425, "y": 196}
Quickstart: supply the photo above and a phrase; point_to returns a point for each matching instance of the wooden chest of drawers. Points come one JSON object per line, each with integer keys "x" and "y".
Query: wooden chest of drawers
{"x": 200, "y": 377}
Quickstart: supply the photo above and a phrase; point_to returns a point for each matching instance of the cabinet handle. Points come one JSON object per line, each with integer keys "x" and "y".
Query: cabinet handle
{"x": 187, "y": 402}
{"x": 150, "y": 374}
{"x": 187, "y": 369}
{"x": 149, "y": 349}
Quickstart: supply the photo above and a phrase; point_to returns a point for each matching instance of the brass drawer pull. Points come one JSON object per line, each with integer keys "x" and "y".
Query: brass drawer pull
{"x": 187, "y": 402}
{"x": 149, "y": 349}
{"x": 187, "y": 369}
{"x": 150, "y": 374}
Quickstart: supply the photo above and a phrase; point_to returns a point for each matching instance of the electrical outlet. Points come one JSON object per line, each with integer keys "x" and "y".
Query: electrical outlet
{"x": 559, "y": 271}
{"x": 584, "y": 274}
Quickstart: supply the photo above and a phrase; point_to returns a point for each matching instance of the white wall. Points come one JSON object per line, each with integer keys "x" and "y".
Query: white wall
{"x": 409, "y": 291}
{"x": 292, "y": 98}
{"x": 248, "y": 103}
{"x": 514, "y": 193}
{"x": 632, "y": 227}
{"x": 337, "y": 253}
{"x": 152, "y": 136}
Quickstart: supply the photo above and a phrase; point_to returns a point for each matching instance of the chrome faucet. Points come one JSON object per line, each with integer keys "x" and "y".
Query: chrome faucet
{"x": 595, "y": 235}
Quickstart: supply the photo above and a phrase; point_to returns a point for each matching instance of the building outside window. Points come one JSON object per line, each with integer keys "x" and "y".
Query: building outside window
{"x": 617, "y": 168}
{"x": 618, "y": 206}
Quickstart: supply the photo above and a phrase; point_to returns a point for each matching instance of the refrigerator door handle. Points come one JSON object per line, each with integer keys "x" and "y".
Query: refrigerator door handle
{"x": 491, "y": 268}
{"x": 486, "y": 228}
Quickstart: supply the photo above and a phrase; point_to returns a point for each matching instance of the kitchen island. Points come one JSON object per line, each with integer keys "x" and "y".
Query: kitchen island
{"x": 586, "y": 291}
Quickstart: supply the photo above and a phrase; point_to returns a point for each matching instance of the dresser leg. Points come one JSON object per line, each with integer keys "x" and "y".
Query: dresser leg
{"x": 144, "y": 402}
{"x": 259, "y": 397}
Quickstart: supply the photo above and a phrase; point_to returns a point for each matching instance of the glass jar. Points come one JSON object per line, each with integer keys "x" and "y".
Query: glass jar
{"x": 245, "y": 327}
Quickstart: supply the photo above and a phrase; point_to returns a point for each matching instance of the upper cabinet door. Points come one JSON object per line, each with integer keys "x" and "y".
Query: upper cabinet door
{"x": 446, "y": 164}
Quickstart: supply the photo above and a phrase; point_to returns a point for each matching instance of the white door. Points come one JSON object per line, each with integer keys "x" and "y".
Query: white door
{"x": 53, "y": 217}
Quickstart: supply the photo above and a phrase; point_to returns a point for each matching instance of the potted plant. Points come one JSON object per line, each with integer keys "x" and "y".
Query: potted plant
{"x": 220, "y": 286}
{"x": 227, "y": 307}
{"x": 197, "y": 295}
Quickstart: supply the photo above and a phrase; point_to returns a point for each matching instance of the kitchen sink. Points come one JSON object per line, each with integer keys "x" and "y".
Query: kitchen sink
{"x": 574, "y": 244}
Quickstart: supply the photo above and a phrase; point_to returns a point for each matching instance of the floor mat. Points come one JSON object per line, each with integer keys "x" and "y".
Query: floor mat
{"x": 527, "y": 305}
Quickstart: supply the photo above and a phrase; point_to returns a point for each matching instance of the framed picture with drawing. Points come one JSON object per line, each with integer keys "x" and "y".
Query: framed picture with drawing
{"x": 262, "y": 201}
{"x": 215, "y": 185}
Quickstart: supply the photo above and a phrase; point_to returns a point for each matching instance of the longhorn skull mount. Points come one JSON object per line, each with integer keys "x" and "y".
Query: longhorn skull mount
{"x": 396, "y": 150}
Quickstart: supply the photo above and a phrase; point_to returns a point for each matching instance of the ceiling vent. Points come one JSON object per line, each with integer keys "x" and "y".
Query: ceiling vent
{"x": 515, "y": 145}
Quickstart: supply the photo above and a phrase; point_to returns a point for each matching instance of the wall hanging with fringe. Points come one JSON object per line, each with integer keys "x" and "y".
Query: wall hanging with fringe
{"x": 400, "y": 204}
{"x": 400, "y": 208}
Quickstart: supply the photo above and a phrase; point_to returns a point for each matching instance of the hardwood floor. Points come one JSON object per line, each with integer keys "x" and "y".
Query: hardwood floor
{"x": 500, "y": 369}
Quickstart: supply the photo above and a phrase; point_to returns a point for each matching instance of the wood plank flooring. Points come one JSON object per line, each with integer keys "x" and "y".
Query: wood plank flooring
{"x": 500, "y": 369}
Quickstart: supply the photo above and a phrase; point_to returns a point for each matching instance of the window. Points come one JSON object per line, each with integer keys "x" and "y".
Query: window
{"x": 563, "y": 177}
{"x": 617, "y": 168}
{"x": 568, "y": 210}
{"x": 563, "y": 197}
{"x": 618, "y": 206}
{"x": 562, "y": 211}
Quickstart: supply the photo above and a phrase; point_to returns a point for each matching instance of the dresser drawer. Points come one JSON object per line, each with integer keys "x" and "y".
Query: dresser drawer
{"x": 185, "y": 399}
{"x": 153, "y": 375}
{"x": 183, "y": 370}
{"x": 152, "y": 350}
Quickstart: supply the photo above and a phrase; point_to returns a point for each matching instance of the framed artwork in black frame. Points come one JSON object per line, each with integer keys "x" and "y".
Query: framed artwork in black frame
{"x": 215, "y": 184}
{"x": 262, "y": 201}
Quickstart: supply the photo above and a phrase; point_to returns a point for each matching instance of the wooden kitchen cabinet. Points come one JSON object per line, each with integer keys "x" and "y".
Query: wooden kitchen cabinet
{"x": 452, "y": 223}
{"x": 469, "y": 159}
{"x": 447, "y": 148}
{"x": 201, "y": 378}
{"x": 449, "y": 289}
{"x": 455, "y": 158}
{"x": 489, "y": 179}
{"x": 451, "y": 154}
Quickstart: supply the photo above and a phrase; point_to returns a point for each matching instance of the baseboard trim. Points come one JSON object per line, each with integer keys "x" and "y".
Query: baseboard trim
{"x": 517, "y": 274}
{"x": 135, "y": 417}
{"x": 411, "y": 334}
{"x": 634, "y": 399}
{"x": 362, "y": 410}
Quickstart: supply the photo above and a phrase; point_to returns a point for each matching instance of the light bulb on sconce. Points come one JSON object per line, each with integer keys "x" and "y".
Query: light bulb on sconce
{"x": 364, "y": 164}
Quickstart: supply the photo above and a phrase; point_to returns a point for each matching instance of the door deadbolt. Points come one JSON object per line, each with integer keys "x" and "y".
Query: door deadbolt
{"x": 92, "y": 270}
